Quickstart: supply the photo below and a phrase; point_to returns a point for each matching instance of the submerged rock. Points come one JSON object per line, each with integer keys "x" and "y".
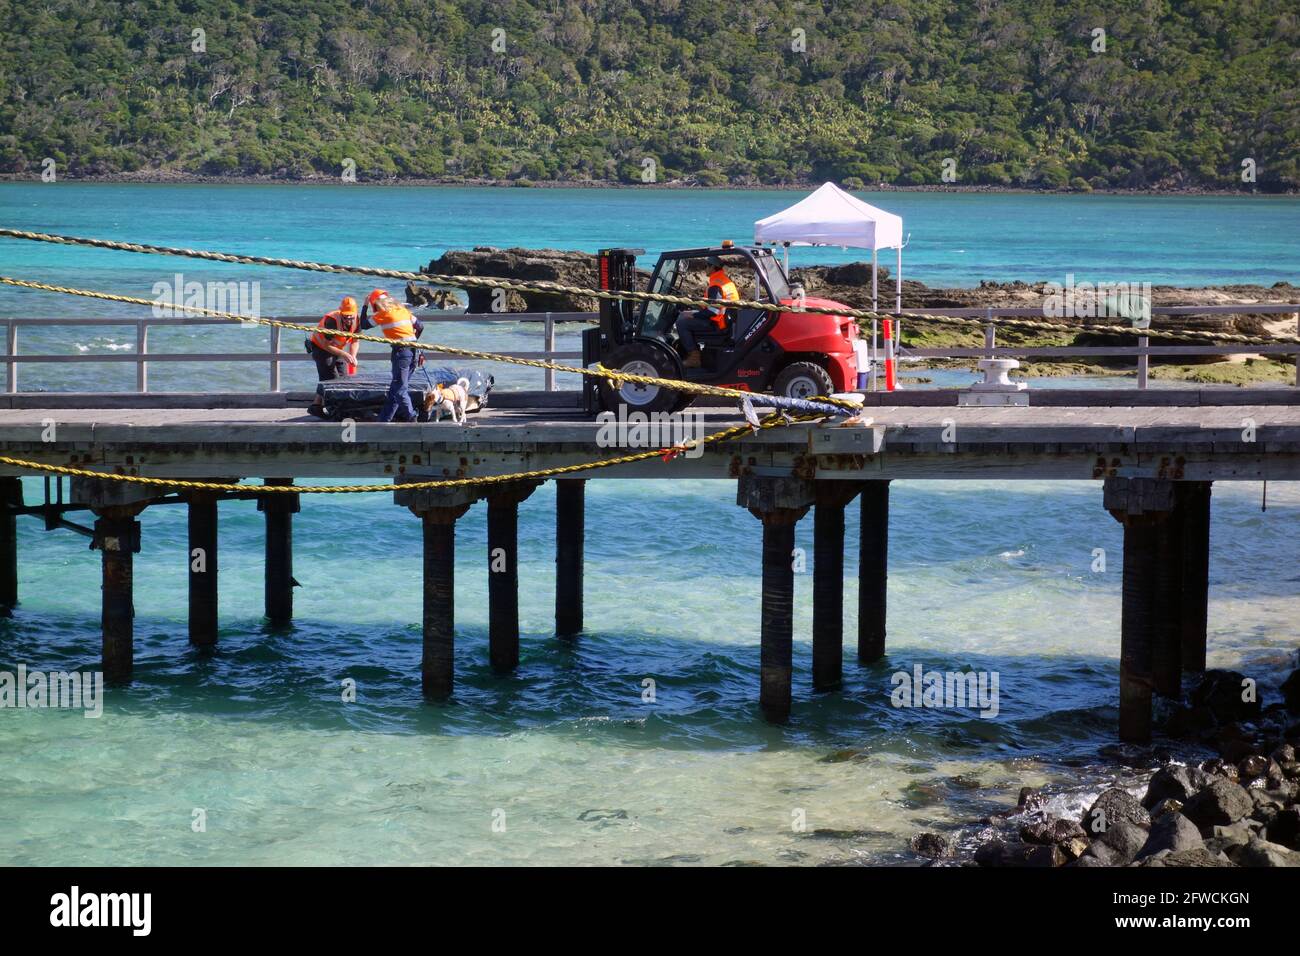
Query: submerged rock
{"x": 1222, "y": 692}
{"x": 930, "y": 845}
{"x": 1049, "y": 832}
{"x": 998, "y": 853}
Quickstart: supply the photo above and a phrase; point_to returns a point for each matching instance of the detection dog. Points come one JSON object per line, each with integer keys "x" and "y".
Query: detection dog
{"x": 452, "y": 399}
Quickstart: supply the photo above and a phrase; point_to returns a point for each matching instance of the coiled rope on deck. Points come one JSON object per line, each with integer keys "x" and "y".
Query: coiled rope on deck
{"x": 632, "y": 295}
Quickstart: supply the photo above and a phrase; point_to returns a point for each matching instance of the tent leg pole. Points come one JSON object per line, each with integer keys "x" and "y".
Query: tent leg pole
{"x": 874, "y": 259}
{"x": 898, "y": 283}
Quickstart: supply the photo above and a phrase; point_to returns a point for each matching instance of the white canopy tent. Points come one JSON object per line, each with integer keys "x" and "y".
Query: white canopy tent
{"x": 832, "y": 217}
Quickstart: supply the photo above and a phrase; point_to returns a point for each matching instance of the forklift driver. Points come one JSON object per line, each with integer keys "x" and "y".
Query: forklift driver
{"x": 688, "y": 326}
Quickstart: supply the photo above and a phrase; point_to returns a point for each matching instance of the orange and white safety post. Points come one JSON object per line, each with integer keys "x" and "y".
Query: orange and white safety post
{"x": 891, "y": 382}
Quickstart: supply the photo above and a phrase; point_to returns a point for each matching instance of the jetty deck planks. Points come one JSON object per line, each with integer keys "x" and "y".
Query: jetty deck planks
{"x": 1195, "y": 442}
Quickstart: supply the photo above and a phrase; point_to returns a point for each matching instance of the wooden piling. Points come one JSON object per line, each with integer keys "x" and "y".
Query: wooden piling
{"x": 503, "y": 573}
{"x": 828, "y": 581}
{"x": 570, "y": 520}
{"x": 776, "y": 655}
{"x": 117, "y": 536}
{"x": 1137, "y": 631}
{"x": 437, "y": 664}
{"x": 1166, "y": 601}
{"x": 11, "y": 496}
{"x": 873, "y": 570}
{"x": 438, "y": 510}
{"x": 1194, "y": 611}
{"x": 1141, "y": 505}
{"x": 279, "y": 508}
{"x": 203, "y": 577}
{"x": 779, "y": 503}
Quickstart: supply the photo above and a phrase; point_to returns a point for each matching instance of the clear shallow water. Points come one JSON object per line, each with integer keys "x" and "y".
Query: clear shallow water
{"x": 991, "y": 576}
{"x": 957, "y": 240}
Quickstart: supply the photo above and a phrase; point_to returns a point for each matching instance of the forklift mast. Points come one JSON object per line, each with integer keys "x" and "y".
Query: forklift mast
{"x": 617, "y": 269}
{"x": 617, "y": 273}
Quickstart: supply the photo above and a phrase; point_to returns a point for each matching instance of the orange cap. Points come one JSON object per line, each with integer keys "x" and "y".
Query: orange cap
{"x": 349, "y": 306}
{"x": 375, "y": 297}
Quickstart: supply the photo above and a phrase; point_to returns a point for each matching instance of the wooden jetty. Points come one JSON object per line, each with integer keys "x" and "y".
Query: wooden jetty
{"x": 1154, "y": 454}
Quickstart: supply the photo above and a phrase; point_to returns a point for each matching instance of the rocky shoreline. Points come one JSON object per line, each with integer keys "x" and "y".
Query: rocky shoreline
{"x": 851, "y": 284}
{"x": 1240, "y": 808}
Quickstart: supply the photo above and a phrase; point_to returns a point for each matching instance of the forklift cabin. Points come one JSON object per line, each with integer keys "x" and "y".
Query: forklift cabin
{"x": 639, "y": 336}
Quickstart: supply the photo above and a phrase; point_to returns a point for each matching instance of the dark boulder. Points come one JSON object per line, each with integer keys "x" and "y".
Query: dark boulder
{"x": 1168, "y": 805}
{"x": 990, "y": 854}
{"x": 564, "y": 267}
{"x": 1124, "y": 840}
{"x": 1173, "y": 832}
{"x": 437, "y": 298}
{"x": 1284, "y": 828}
{"x": 1112, "y": 807}
{"x": 1169, "y": 783}
{"x": 1291, "y": 692}
{"x": 1220, "y": 768}
{"x": 1049, "y": 832}
{"x": 1030, "y": 855}
{"x": 1196, "y": 856}
{"x": 930, "y": 845}
{"x": 1222, "y": 691}
{"x": 1263, "y": 853}
{"x": 1219, "y": 804}
{"x": 997, "y": 853}
{"x": 1248, "y": 768}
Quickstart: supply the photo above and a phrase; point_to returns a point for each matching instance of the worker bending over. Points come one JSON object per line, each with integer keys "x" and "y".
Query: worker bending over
{"x": 722, "y": 289}
{"x": 335, "y": 355}
{"x": 401, "y": 329}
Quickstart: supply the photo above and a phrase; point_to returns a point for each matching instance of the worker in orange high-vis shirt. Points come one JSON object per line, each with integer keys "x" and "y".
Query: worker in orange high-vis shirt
{"x": 396, "y": 323}
{"x": 335, "y": 355}
{"x": 689, "y": 326}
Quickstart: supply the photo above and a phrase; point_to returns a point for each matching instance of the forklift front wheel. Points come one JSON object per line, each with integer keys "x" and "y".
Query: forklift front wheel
{"x": 803, "y": 380}
{"x": 642, "y": 358}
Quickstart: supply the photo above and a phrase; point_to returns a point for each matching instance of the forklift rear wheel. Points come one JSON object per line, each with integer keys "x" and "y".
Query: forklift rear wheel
{"x": 642, "y": 358}
{"x": 803, "y": 380}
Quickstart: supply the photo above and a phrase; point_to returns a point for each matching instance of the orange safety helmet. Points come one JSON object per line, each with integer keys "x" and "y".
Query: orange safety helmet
{"x": 375, "y": 296}
{"x": 348, "y": 306}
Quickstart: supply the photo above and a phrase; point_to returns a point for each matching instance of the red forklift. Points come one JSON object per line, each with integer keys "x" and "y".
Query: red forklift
{"x": 790, "y": 353}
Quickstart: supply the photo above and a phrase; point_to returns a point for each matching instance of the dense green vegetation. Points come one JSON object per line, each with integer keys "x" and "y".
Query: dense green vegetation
{"x": 710, "y": 92}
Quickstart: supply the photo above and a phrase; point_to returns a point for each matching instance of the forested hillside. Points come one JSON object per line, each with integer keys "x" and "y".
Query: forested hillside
{"x": 1015, "y": 93}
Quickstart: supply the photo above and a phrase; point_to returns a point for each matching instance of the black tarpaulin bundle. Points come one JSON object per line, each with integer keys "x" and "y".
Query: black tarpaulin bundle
{"x": 360, "y": 395}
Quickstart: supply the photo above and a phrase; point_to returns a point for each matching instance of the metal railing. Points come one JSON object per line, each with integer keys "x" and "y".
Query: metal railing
{"x": 273, "y": 356}
{"x": 1141, "y": 352}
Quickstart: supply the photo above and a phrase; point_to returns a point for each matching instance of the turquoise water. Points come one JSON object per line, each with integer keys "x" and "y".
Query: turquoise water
{"x": 991, "y": 576}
